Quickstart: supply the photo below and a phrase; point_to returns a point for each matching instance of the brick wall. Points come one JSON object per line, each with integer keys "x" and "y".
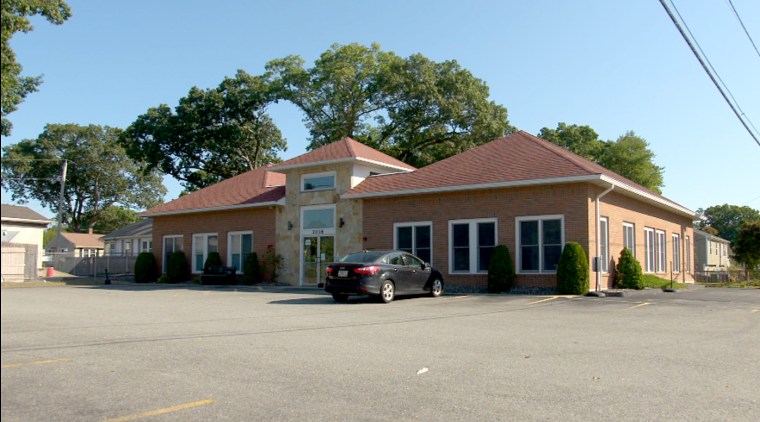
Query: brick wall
{"x": 575, "y": 202}
{"x": 261, "y": 221}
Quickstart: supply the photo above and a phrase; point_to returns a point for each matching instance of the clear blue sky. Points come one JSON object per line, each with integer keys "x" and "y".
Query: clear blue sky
{"x": 612, "y": 65}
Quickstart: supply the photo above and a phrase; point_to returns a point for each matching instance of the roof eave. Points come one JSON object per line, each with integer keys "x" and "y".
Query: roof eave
{"x": 277, "y": 168}
{"x": 26, "y": 221}
{"x": 652, "y": 198}
{"x": 481, "y": 186}
{"x": 211, "y": 209}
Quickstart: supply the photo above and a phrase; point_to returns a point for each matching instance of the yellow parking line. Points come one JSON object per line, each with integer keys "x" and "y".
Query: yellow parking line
{"x": 544, "y": 300}
{"x": 640, "y": 305}
{"x": 755, "y": 310}
{"x": 34, "y": 362}
{"x": 161, "y": 411}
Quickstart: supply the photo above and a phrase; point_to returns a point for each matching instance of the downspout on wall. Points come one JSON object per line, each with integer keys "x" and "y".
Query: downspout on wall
{"x": 598, "y": 244}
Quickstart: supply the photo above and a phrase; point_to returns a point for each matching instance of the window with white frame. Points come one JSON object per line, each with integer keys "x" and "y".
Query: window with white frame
{"x": 676, "y": 253}
{"x": 649, "y": 250}
{"x": 127, "y": 248}
{"x": 662, "y": 252}
{"x": 318, "y": 219}
{"x": 146, "y": 245}
{"x": 172, "y": 243}
{"x": 239, "y": 246}
{"x": 318, "y": 181}
{"x": 539, "y": 243}
{"x": 629, "y": 237}
{"x": 604, "y": 247}
{"x": 687, "y": 240}
{"x": 415, "y": 238}
{"x": 471, "y": 244}
{"x": 203, "y": 243}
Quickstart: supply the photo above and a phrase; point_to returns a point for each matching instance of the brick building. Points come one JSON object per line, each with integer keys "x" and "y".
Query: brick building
{"x": 520, "y": 191}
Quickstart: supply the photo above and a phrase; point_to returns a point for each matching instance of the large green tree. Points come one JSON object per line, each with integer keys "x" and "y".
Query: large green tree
{"x": 111, "y": 218}
{"x": 726, "y": 219}
{"x": 629, "y": 155}
{"x": 212, "y": 135}
{"x": 582, "y": 140}
{"x": 414, "y": 109}
{"x": 99, "y": 173}
{"x": 15, "y": 18}
{"x": 747, "y": 245}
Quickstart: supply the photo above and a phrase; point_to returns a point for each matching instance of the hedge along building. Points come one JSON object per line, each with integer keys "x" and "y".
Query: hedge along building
{"x": 520, "y": 191}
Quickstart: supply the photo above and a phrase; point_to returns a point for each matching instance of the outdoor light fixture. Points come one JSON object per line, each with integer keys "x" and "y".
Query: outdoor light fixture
{"x": 342, "y": 223}
{"x": 290, "y": 225}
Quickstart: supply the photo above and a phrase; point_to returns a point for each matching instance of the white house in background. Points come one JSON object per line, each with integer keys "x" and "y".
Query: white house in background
{"x": 130, "y": 240}
{"x": 22, "y": 226}
{"x": 712, "y": 253}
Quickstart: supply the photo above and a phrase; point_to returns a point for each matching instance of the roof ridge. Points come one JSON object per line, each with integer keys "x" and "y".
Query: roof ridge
{"x": 577, "y": 160}
{"x": 350, "y": 146}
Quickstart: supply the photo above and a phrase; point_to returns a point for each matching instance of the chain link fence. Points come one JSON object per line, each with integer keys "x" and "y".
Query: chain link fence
{"x": 92, "y": 266}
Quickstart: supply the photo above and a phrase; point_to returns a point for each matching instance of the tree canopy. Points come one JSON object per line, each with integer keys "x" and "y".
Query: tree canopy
{"x": 747, "y": 245}
{"x": 629, "y": 155}
{"x": 726, "y": 220}
{"x": 15, "y": 13}
{"x": 414, "y": 109}
{"x": 99, "y": 173}
{"x": 212, "y": 135}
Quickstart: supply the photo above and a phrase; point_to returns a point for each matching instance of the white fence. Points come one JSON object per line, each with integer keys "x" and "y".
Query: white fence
{"x": 19, "y": 262}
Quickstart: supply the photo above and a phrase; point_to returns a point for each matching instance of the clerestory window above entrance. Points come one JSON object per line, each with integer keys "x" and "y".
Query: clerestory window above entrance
{"x": 318, "y": 181}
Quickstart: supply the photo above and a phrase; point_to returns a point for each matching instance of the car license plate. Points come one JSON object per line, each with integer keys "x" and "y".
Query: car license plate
{"x": 342, "y": 273}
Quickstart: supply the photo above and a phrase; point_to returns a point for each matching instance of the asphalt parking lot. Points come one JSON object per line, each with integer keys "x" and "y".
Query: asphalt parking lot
{"x": 199, "y": 353}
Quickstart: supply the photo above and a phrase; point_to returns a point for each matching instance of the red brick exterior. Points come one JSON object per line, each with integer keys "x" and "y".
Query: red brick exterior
{"x": 575, "y": 202}
{"x": 261, "y": 221}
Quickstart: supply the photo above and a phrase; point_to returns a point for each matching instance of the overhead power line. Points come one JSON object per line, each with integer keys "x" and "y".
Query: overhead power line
{"x": 711, "y": 73}
{"x": 730, "y": 3}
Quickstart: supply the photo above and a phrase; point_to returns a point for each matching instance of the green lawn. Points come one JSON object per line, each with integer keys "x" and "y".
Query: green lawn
{"x": 655, "y": 282}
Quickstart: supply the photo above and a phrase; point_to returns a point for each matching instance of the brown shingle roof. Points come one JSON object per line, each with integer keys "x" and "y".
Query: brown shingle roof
{"x": 16, "y": 212}
{"x": 517, "y": 158}
{"x": 344, "y": 150}
{"x": 85, "y": 240}
{"x": 258, "y": 186}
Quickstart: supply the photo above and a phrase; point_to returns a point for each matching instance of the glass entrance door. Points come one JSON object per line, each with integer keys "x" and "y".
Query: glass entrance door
{"x": 318, "y": 251}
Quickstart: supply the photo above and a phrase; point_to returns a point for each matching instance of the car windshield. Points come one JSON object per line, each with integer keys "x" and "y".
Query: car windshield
{"x": 362, "y": 257}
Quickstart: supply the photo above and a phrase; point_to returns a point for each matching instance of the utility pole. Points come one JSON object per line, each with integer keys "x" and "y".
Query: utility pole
{"x": 60, "y": 198}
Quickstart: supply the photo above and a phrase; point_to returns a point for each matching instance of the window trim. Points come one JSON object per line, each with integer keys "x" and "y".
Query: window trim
{"x": 323, "y": 231}
{"x": 320, "y": 174}
{"x": 518, "y": 249}
{"x": 205, "y": 250}
{"x": 632, "y": 226}
{"x": 676, "y": 265}
{"x": 605, "y": 244}
{"x": 229, "y": 247}
{"x": 687, "y": 251}
{"x": 473, "y": 245}
{"x": 165, "y": 258}
{"x": 662, "y": 251}
{"x": 650, "y": 259}
{"x": 414, "y": 225}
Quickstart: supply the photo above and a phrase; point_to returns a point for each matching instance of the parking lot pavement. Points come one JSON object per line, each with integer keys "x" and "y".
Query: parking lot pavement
{"x": 197, "y": 353}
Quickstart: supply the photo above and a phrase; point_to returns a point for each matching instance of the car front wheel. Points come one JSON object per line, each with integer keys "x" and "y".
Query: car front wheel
{"x": 387, "y": 291}
{"x": 436, "y": 288}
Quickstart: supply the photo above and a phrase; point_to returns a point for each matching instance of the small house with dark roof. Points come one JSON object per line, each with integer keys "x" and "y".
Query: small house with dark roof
{"x": 520, "y": 191}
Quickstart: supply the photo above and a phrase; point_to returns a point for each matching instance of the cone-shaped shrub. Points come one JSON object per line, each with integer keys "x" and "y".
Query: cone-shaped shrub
{"x": 146, "y": 270}
{"x": 629, "y": 271}
{"x": 251, "y": 269}
{"x": 213, "y": 260}
{"x": 572, "y": 270}
{"x": 501, "y": 270}
{"x": 177, "y": 268}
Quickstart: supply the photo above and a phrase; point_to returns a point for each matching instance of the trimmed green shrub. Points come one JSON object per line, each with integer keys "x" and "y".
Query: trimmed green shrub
{"x": 501, "y": 270}
{"x": 572, "y": 270}
{"x": 251, "y": 269}
{"x": 177, "y": 268}
{"x": 146, "y": 269}
{"x": 629, "y": 271}
{"x": 213, "y": 260}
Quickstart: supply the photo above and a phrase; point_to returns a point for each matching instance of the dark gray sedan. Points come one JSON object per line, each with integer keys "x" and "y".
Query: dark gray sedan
{"x": 385, "y": 274}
